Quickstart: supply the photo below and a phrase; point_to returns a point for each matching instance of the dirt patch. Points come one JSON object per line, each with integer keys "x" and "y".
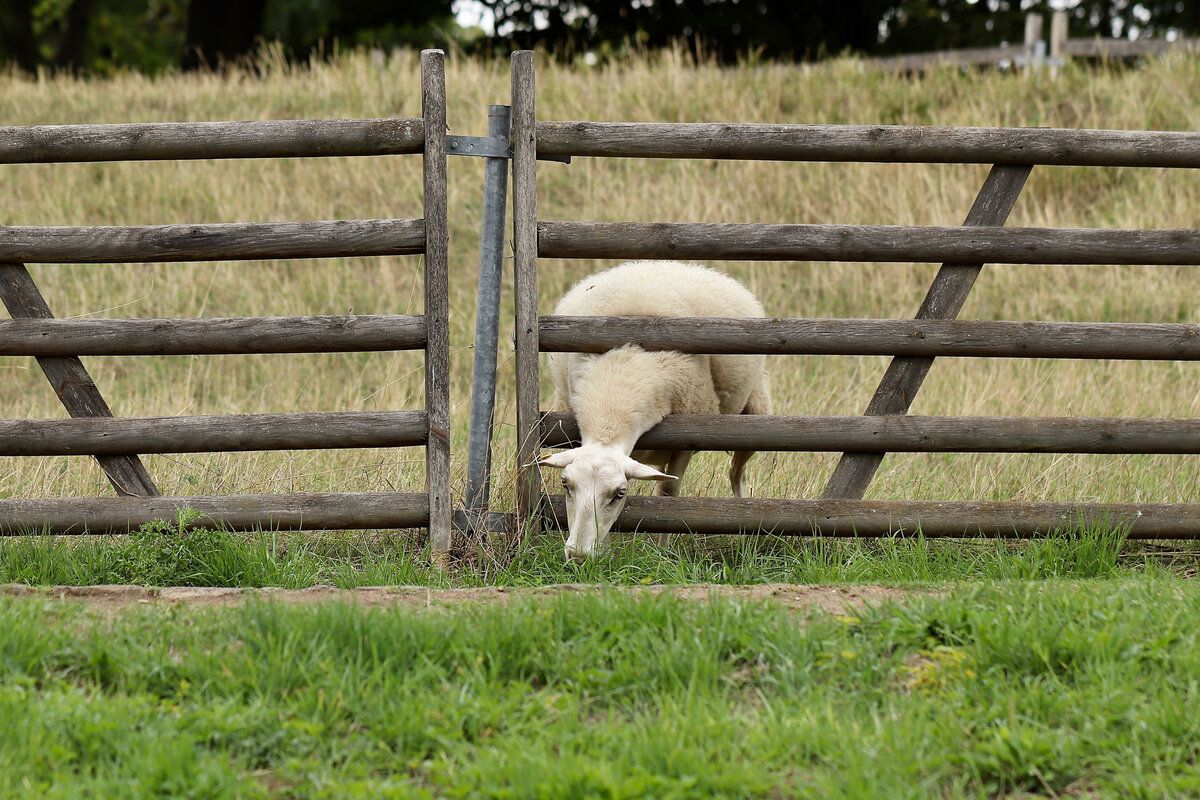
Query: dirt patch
{"x": 832, "y": 599}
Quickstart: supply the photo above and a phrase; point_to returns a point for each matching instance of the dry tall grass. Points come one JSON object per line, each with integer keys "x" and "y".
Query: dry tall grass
{"x": 1162, "y": 95}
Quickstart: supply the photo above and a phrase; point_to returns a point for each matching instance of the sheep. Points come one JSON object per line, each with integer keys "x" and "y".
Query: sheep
{"x": 619, "y": 395}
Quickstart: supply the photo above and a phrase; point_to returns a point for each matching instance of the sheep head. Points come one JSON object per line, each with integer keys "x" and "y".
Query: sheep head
{"x": 595, "y": 481}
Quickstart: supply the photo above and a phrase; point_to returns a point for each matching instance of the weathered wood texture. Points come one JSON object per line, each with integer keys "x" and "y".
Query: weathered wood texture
{"x": 848, "y": 518}
{"x": 211, "y": 434}
{"x": 437, "y": 302}
{"x": 944, "y": 299}
{"x": 525, "y": 253}
{"x": 871, "y": 143}
{"x": 283, "y": 512}
{"x": 210, "y": 336}
{"x": 70, "y": 380}
{"x": 153, "y": 141}
{"x": 869, "y": 337}
{"x": 1127, "y": 48}
{"x": 212, "y": 242}
{"x": 56, "y": 343}
{"x": 959, "y": 244}
{"x": 968, "y": 56}
{"x": 871, "y": 434}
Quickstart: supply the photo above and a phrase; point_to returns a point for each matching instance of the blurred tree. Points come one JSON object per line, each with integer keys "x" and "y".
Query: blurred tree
{"x": 101, "y": 36}
{"x": 729, "y": 28}
{"x": 805, "y": 29}
{"x": 151, "y": 35}
{"x": 16, "y": 34}
{"x": 221, "y": 31}
{"x": 305, "y": 27}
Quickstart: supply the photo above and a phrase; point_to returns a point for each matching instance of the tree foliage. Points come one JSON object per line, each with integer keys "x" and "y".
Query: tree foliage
{"x": 101, "y": 36}
{"x": 734, "y": 29}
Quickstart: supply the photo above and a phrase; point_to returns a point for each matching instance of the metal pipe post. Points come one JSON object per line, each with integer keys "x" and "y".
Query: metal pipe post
{"x": 487, "y": 324}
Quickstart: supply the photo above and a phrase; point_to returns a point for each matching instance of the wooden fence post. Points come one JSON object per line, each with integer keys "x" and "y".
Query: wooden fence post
{"x": 437, "y": 312}
{"x": 1058, "y": 36}
{"x": 1035, "y": 52}
{"x": 525, "y": 251}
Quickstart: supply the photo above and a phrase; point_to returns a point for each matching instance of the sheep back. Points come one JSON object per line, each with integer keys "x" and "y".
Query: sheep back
{"x": 668, "y": 289}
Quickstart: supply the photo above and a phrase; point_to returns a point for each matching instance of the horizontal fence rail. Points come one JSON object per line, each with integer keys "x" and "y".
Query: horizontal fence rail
{"x": 965, "y": 56}
{"x": 156, "y": 141}
{"x": 212, "y": 434}
{"x": 949, "y": 244}
{"x": 870, "y": 337}
{"x": 848, "y": 518}
{"x": 211, "y": 336}
{"x": 241, "y": 241}
{"x": 871, "y": 143}
{"x": 904, "y": 434}
{"x": 1126, "y": 48}
{"x": 251, "y": 512}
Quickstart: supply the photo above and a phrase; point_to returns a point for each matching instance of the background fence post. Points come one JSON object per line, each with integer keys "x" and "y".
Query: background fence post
{"x": 1058, "y": 40}
{"x": 487, "y": 326}
{"x": 1035, "y": 47}
{"x": 437, "y": 311}
{"x": 529, "y": 484}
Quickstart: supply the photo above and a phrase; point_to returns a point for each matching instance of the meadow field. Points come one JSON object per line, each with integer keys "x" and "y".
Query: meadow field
{"x": 1065, "y": 667}
{"x": 1164, "y": 94}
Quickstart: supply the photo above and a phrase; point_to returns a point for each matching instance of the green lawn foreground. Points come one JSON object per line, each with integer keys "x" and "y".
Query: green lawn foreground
{"x": 1008, "y": 689}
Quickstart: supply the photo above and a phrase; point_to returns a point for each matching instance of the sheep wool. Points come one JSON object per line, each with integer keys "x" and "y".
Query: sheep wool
{"x": 619, "y": 395}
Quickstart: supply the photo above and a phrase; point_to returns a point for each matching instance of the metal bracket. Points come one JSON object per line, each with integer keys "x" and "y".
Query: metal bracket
{"x": 482, "y": 146}
{"x": 487, "y": 147}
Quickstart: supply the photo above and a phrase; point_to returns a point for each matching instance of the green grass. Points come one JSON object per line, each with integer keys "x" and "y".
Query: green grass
{"x": 1051, "y": 688}
{"x": 162, "y": 555}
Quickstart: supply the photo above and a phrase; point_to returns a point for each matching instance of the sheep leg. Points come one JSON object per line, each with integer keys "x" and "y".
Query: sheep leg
{"x": 737, "y": 471}
{"x": 677, "y": 464}
{"x": 759, "y": 402}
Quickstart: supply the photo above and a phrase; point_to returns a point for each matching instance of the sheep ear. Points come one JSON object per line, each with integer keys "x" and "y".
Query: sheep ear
{"x": 558, "y": 460}
{"x": 636, "y": 469}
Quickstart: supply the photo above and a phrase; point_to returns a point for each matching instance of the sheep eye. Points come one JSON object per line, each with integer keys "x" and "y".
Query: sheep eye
{"x": 567, "y": 489}
{"x": 618, "y": 494}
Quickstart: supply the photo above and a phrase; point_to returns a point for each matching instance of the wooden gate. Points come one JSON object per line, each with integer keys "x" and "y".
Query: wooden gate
{"x": 115, "y": 442}
{"x": 863, "y": 441}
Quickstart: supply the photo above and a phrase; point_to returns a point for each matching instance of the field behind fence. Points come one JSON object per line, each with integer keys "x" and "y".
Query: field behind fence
{"x": 1163, "y": 95}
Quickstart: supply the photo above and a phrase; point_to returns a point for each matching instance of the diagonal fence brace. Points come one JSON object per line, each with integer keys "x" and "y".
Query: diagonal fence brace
{"x": 71, "y": 381}
{"x": 944, "y": 299}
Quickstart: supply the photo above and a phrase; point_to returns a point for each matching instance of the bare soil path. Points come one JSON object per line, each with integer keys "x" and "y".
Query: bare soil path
{"x": 831, "y": 599}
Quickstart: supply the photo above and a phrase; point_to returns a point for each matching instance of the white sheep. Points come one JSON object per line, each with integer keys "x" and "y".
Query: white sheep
{"x": 619, "y": 395}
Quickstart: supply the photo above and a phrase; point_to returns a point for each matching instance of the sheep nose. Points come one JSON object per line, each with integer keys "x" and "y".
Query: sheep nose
{"x": 578, "y": 556}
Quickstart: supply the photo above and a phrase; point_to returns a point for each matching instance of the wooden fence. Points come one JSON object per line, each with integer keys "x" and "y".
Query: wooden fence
{"x": 1035, "y": 52}
{"x": 913, "y": 344}
{"x": 57, "y": 344}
